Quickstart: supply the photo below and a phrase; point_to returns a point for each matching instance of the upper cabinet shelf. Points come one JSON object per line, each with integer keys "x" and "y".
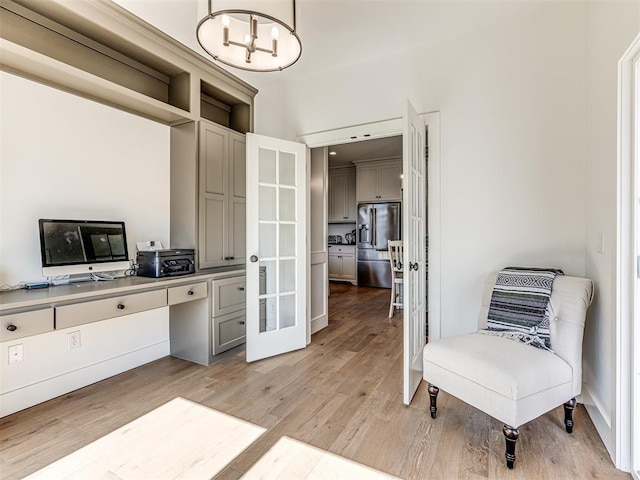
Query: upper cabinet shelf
{"x": 99, "y": 50}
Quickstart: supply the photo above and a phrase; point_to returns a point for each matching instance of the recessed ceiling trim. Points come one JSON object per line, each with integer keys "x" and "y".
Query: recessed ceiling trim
{"x": 384, "y": 128}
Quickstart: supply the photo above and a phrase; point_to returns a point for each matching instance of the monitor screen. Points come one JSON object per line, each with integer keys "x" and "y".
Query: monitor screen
{"x": 90, "y": 245}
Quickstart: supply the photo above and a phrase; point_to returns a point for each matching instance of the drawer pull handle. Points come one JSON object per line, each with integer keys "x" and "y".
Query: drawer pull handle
{"x": 241, "y": 322}
{"x": 241, "y": 289}
{"x": 190, "y": 292}
{"x": 12, "y": 328}
{"x": 120, "y": 306}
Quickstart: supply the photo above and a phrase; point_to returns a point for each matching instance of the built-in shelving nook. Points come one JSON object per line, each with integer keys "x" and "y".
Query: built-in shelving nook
{"x": 99, "y": 50}
{"x": 219, "y": 107}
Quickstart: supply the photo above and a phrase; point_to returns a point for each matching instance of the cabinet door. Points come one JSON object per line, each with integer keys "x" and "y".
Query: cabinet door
{"x": 335, "y": 266}
{"x": 212, "y": 238}
{"x": 236, "y": 253}
{"x": 351, "y": 206}
{"x": 337, "y": 186}
{"x": 390, "y": 182}
{"x": 367, "y": 184}
{"x": 213, "y": 160}
{"x": 349, "y": 267}
{"x": 213, "y": 216}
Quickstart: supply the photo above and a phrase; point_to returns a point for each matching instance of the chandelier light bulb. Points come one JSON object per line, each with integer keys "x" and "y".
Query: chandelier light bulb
{"x": 225, "y": 21}
{"x": 274, "y": 33}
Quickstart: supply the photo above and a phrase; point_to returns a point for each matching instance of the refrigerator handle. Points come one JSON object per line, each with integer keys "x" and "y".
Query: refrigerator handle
{"x": 373, "y": 226}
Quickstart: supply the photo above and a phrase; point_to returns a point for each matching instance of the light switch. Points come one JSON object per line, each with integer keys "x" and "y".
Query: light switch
{"x": 600, "y": 242}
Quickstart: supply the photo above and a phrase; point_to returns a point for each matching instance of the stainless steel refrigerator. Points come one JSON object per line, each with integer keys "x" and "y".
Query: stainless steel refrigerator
{"x": 377, "y": 224}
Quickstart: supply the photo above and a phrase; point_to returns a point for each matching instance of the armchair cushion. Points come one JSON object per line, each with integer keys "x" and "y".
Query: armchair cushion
{"x": 508, "y": 380}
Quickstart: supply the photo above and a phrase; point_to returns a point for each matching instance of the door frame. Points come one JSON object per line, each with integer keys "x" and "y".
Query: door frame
{"x": 626, "y": 434}
{"x": 391, "y": 128}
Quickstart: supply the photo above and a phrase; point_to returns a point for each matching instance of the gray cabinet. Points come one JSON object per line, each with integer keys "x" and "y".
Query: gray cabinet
{"x": 228, "y": 313}
{"x": 222, "y": 196}
{"x": 342, "y": 195}
{"x": 379, "y": 181}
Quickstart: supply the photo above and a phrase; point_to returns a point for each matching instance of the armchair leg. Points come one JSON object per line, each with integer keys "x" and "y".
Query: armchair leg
{"x": 433, "y": 397}
{"x": 511, "y": 437}
{"x": 568, "y": 414}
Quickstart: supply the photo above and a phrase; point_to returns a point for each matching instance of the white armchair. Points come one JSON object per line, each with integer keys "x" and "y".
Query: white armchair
{"x": 511, "y": 381}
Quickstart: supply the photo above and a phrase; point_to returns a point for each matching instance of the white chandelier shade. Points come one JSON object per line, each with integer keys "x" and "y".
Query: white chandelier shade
{"x": 259, "y": 36}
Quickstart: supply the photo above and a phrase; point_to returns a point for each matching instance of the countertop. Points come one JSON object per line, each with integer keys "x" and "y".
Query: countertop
{"x": 72, "y": 292}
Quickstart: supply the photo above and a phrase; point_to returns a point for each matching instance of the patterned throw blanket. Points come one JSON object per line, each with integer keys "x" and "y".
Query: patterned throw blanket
{"x": 519, "y": 307}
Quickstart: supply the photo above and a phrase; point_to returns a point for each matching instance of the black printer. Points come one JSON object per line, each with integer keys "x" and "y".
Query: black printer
{"x": 165, "y": 263}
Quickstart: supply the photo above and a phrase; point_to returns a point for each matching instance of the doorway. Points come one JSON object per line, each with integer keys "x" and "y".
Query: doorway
{"x": 364, "y": 177}
{"x": 320, "y": 143}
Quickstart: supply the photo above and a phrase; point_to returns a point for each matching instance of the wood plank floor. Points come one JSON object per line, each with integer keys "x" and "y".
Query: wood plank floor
{"x": 343, "y": 393}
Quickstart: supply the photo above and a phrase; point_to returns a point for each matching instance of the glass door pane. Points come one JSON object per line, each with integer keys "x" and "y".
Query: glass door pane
{"x": 277, "y": 227}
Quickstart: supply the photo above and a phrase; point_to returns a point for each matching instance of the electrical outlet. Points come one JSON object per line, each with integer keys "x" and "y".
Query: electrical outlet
{"x": 74, "y": 339}
{"x": 15, "y": 353}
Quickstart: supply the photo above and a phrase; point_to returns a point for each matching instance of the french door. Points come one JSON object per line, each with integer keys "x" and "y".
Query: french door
{"x": 414, "y": 170}
{"x": 276, "y": 246}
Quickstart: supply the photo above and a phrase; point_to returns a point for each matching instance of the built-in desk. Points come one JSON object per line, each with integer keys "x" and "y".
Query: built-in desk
{"x": 61, "y": 338}
{"x": 16, "y": 300}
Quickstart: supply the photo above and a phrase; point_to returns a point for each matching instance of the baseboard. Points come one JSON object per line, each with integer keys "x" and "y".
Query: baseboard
{"x": 600, "y": 418}
{"x": 33, "y": 394}
{"x": 635, "y": 474}
{"x": 319, "y": 323}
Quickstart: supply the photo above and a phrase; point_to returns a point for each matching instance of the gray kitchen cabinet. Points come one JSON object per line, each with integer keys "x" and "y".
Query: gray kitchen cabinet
{"x": 379, "y": 180}
{"x": 222, "y": 196}
{"x": 342, "y": 195}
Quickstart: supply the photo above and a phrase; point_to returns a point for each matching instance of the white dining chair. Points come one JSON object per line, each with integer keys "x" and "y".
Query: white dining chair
{"x": 397, "y": 281}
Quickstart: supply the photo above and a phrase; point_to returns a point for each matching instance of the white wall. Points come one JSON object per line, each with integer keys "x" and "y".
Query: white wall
{"x": 512, "y": 103}
{"x": 611, "y": 26}
{"x": 62, "y": 156}
{"x": 177, "y": 18}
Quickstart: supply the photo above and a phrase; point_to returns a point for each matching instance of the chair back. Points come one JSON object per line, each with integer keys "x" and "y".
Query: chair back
{"x": 570, "y": 299}
{"x": 396, "y": 255}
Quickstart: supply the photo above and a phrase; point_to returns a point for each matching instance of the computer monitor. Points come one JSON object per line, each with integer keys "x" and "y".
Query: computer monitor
{"x": 70, "y": 247}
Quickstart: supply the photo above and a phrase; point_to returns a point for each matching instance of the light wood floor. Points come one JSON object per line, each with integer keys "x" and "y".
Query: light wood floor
{"x": 343, "y": 394}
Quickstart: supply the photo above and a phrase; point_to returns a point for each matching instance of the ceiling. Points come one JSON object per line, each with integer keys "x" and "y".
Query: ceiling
{"x": 339, "y": 34}
{"x": 376, "y": 149}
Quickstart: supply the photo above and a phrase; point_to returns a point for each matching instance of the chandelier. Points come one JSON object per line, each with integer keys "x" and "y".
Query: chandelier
{"x": 255, "y": 35}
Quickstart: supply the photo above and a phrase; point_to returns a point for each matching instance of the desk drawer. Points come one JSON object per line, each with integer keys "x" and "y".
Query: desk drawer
{"x": 186, "y": 293}
{"x": 94, "y": 311}
{"x": 229, "y": 331}
{"x": 26, "y": 324}
{"x": 228, "y": 295}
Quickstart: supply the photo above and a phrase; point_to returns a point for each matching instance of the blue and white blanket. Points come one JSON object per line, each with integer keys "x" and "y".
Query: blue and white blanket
{"x": 519, "y": 307}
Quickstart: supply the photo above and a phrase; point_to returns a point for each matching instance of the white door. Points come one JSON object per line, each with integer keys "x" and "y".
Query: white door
{"x": 414, "y": 170}
{"x": 276, "y": 246}
{"x": 319, "y": 283}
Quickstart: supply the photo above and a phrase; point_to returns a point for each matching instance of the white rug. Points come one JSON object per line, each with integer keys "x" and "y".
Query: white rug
{"x": 179, "y": 440}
